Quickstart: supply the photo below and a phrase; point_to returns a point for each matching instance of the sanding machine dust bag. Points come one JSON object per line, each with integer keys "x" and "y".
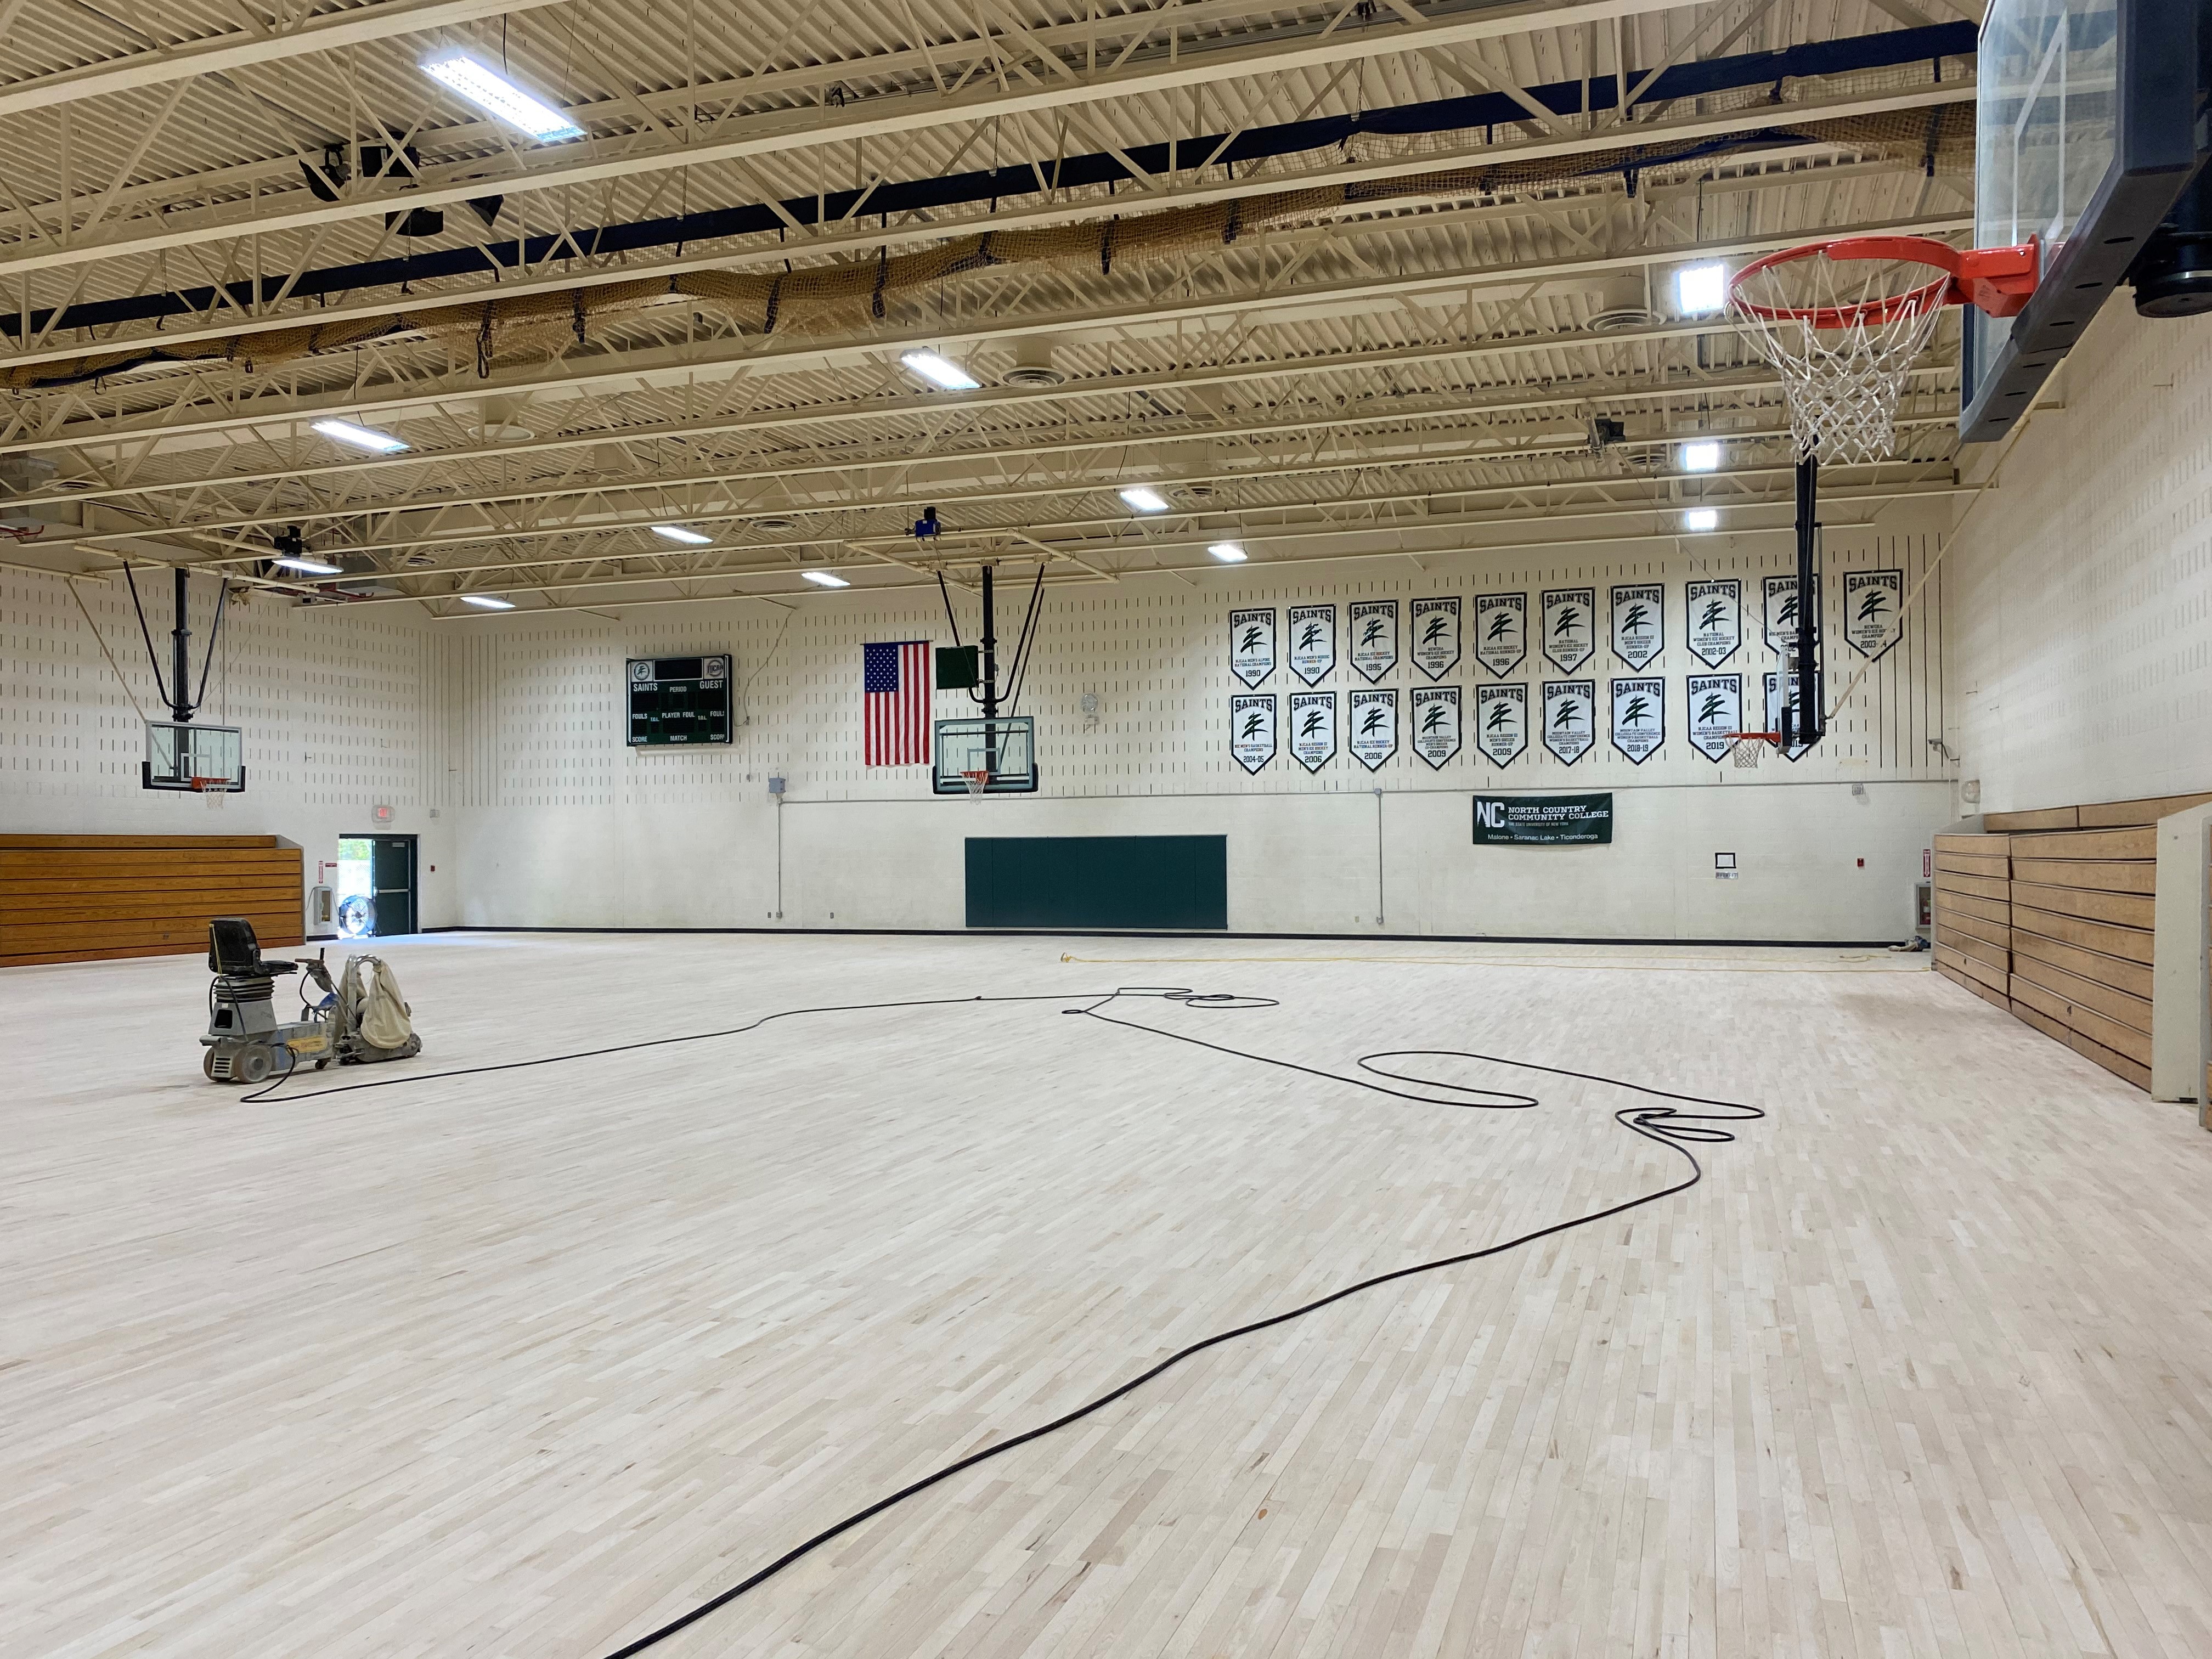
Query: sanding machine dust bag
{"x": 369, "y": 999}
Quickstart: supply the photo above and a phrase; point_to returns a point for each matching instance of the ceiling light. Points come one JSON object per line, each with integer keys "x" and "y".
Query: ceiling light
{"x": 1227, "y": 552}
{"x": 487, "y": 602}
{"x": 824, "y": 578}
{"x": 1703, "y": 456}
{"x": 500, "y": 99}
{"x": 939, "y": 371}
{"x": 1143, "y": 499}
{"x": 1700, "y": 290}
{"x": 360, "y": 437}
{"x": 1701, "y": 518}
{"x": 677, "y": 532}
{"x": 306, "y": 566}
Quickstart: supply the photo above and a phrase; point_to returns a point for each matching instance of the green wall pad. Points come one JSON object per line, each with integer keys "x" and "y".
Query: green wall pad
{"x": 1098, "y": 881}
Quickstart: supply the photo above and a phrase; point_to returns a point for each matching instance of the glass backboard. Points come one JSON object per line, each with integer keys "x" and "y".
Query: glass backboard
{"x": 192, "y": 756}
{"x": 2086, "y": 131}
{"x": 2045, "y": 129}
{"x": 1004, "y": 750}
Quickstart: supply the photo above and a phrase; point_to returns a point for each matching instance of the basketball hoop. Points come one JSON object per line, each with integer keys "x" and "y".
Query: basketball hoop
{"x": 211, "y": 786}
{"x": 976, "y": 780}
{"x": 1745, "y": 749}
{"x": 1844, "y": 321}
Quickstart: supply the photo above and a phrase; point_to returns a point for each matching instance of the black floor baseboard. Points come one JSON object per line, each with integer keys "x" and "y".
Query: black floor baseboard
{"x": 1080, "y": 933}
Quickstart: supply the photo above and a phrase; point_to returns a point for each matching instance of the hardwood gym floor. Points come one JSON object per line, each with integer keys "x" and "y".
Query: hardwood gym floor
{"x": 528, "y": 1362}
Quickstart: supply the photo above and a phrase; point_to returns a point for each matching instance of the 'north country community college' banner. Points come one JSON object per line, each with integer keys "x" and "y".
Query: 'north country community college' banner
{"x": 1543, "y": 820}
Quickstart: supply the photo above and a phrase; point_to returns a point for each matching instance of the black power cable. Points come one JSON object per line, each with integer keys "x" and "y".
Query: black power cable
{"x": 1667, "y": 1126}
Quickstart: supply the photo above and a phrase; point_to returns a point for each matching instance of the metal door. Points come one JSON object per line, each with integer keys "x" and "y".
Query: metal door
{"x": 391, "y": 878}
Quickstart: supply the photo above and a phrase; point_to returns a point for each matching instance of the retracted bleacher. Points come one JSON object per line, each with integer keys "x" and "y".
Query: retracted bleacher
{"x": 91, "y": 898}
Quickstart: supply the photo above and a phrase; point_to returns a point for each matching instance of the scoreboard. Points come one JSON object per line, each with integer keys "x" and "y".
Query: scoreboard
{"x": 678, "y": 699}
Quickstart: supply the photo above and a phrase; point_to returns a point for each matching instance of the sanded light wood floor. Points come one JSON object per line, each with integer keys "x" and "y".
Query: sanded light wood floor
{"x": 527, "y": 1363}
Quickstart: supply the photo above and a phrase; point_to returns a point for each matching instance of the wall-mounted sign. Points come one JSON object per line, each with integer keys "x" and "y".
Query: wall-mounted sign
{"x": 1436, "y": 723}
{"x": 1436, "y": 636}
{"x": 1543, "y": 820}
{"x": 1501, "y": 721}
{"x": 1639, "y": 622}
{"x": 1873, "y": 610}
{"x": 1570, "y": 624}
{"x": 1374, "y": 717}
{"x": 1252, "y": 730}
{"x": 1570, "y": 718}
{"x": 1716, "y": 619}
{"x": 1374, "y": 637}
{"x": 1312, "y": 651}
{"x": 1313, "y": 728}
{"x": 1252, "y": 644}
{"x": 1639, "y": 718}
{"x": 1501, "y": 631}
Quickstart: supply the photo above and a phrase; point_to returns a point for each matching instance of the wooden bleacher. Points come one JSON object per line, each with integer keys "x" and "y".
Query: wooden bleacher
{"x": 2050, "y": 914}
{"x": 92, "y": 898}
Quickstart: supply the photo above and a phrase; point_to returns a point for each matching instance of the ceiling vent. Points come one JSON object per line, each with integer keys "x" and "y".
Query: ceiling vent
{"x": 1034, "y": 365}
{"x": 775, "y": 526}
{"x": 1621, "y": 304}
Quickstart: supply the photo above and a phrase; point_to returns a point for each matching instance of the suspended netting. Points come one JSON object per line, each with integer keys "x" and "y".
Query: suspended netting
{"x": 1843, "y": 335}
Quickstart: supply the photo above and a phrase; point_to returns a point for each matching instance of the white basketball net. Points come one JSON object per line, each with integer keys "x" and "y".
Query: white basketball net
{"x": 1841, "y": 382}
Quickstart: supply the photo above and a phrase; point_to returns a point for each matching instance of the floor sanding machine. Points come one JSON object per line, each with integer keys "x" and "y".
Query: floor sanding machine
{"x": 358, "y": 1018}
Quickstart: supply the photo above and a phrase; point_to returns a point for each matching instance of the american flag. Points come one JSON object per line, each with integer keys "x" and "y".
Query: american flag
{"x": 895, "y": 681}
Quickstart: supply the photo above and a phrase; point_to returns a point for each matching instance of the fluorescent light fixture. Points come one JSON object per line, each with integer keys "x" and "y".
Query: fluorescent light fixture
{"x": 1701, "y": 518}
{"x": 677, "y": 532}
{"x": 500, "y": 99}
{"x": 824, "y": 579}
{"x": 939, "y": 370}
{"x": 487, "y": 602}
{"x": 306, "y": 566}
{"x": 1143, "y": 499}
{"x": 1227, "y": 552}
{"x": 1703, "y": 456}
{"x": 1700, "y": 290}
{"x": 360, "y": 437}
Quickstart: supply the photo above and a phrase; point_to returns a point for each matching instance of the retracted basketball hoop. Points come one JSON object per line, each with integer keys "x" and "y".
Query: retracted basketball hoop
{"x": 1843, "y": 321}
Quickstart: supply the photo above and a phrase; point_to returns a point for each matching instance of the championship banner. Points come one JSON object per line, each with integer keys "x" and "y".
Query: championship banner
{"x": 1715, "y": 710}
{"x": 1570, "y": 718}
{"x": 1436, "y": 723}
{"x": 1639, "y": 624}
{"x": 1774, "y": 706}
{"x": 1313, "y": 642}
{"x": 1781, "y": 595}
{"x": 1501, "y": 631}
{"x": 1639, "y": 718}
{"x": 1716, "y": 619}
{"x": 1570, "y": 627}
{"x": 1251, "y": 730}
{"x": 1374, "y": 637}
{"x": 1501, "y": 721}
{"x": 1436, "y": 636}
{"x": 1313, "y": 728}
{"x": 1543, "y": 820}
{"x": 1252, "y": 644}
{"x": 1873, "y": 610}
{"x": 1374, "y": 716}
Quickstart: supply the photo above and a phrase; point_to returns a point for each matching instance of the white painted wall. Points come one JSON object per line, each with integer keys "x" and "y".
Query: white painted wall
{"x": 562, "y": 825}
{"x": 2082, "y": 582}
{"x": 336, "y": 705}
{"x": 511, "y": 730}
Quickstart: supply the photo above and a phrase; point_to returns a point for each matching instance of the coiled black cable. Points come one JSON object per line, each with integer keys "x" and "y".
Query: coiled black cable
{"x": 1668, "y": 1126}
